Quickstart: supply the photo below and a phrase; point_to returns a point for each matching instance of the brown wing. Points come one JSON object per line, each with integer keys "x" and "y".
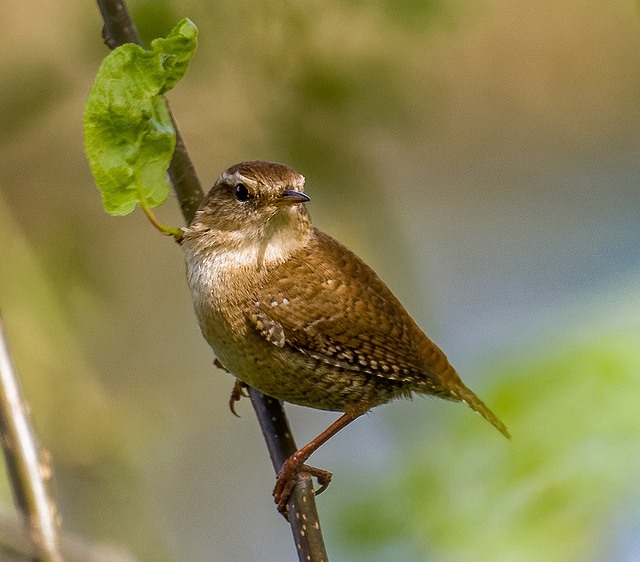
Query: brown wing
{"x": 344, "y": 315}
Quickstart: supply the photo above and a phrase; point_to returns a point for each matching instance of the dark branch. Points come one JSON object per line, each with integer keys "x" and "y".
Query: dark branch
{"x": 303, "y": 516}
{"x": 184, "y": 179}
{"x": 26, "y": 464}
{"x": 118, "y": 27}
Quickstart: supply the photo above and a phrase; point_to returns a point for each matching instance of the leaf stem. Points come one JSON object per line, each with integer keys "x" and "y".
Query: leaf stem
{"x": 177, "y": 233}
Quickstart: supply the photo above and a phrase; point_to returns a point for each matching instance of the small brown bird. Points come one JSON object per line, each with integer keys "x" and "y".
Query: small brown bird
{"x": 293, "y": 313}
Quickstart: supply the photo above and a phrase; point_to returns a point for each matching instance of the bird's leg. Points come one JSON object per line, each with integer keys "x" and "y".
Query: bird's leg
{"x": 238, "y": 391}
{"x": 295, "y": 463}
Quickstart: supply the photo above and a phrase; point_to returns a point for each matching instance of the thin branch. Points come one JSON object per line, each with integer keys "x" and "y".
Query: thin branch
{"x": 117, "y": 27}
{"x": 26, "y": 465}
{"x": 183, "y": 177}
{"x": 303, "y": 516}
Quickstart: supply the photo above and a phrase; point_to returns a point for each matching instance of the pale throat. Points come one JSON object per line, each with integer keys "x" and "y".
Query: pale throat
{"x": 229, "y": 255}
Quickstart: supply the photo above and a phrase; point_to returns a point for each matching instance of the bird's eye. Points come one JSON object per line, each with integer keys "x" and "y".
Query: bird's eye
{"x": 242, "y": 193}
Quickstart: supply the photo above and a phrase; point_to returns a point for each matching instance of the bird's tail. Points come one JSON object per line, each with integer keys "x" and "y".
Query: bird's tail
{"x": 452, "y": 386}
{"x": 461, "y": 392}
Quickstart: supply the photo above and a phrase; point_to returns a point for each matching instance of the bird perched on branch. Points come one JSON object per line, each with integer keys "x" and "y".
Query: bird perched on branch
{"x": 291, "y": 312}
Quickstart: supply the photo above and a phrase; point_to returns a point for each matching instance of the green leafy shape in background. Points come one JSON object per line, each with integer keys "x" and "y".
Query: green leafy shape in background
{"x": 556, "y": 492}
{"x": 129, "y": 137}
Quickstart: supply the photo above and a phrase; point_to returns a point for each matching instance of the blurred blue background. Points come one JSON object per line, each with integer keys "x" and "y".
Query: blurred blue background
{"x": 483, "y": 157}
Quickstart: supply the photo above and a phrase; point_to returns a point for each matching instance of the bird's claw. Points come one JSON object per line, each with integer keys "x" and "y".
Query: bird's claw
{"x": 218, "y": 364}
{"x": 287, "y": 479}
{"x": 238, "y": 391}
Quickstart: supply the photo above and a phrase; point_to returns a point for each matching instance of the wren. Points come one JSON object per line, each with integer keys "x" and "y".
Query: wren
{"x": 291, "y": 312}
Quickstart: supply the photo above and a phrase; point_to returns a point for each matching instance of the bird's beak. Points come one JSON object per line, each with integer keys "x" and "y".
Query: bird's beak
{"x": 291, "y": 197}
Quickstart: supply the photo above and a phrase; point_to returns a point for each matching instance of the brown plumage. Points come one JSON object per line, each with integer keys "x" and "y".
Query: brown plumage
{"x": 295, "y": 314}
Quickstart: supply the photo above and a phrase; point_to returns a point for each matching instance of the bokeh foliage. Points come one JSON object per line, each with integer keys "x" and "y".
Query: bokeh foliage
{"x": 553, "y": 493}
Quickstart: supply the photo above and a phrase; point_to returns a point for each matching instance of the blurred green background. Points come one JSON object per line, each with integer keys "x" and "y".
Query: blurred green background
{"x": 482, "y": 156}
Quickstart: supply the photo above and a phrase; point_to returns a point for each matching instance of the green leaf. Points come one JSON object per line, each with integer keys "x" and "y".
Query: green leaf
{"x": 129, "y": 137}
{"x": 179, "y": 46}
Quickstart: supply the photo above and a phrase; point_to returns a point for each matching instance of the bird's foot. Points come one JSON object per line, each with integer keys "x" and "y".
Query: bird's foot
{"x": 287, "y": 478}
{"x": 238, "y": 391}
